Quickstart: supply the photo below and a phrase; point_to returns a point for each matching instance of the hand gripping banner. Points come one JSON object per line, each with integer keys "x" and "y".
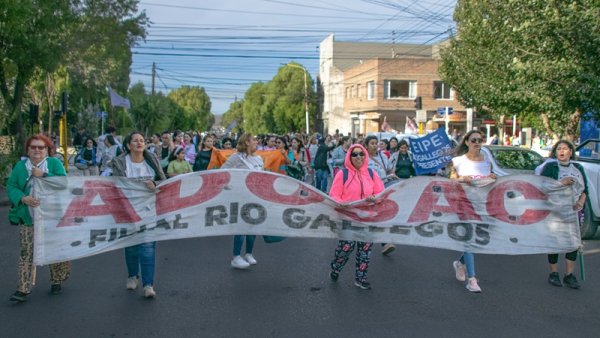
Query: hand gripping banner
{"x": 84, "y": 216}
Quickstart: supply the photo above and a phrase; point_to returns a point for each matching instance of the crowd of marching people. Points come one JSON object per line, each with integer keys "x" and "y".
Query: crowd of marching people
{"x": 348, "y": 169}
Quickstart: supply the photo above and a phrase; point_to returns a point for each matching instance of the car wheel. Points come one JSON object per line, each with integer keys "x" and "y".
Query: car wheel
{"x": 588, "y": 227}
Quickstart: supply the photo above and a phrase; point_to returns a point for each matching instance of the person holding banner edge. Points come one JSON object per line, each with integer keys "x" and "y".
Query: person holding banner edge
{"x": 245, "y": 158}
{"x": 471, "y": 167}
{"x": 359, "y": 183}
{"x": 137, "y": 162}
{"x": 568, "y": 173}
{"x": 39, "y": 163}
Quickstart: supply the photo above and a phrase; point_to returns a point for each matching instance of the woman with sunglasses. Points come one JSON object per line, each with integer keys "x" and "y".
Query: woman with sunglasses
{"x": 568, "y": 173}
{"x": 39, "y": 163}
{"x": 471, "y": 167}
{"x": 358, "y": 183}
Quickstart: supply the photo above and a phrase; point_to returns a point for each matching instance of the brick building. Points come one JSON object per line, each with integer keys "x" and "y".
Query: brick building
{"x": 363, "y": 83}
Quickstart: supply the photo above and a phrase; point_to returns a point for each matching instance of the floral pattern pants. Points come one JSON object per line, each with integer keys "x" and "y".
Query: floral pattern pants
{"x": 59, "y": 272}
{"x": 363, "y": 256}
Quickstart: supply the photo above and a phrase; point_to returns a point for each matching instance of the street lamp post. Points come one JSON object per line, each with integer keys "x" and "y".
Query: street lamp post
{"x": 305, "y": 94}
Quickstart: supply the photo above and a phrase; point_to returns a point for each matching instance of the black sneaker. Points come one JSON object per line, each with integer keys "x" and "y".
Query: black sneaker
{"x": 55, "y": 289}
{"x": 571, "y": 281}
{"x": 363, "y": 285}
{"x": 554, "y": 279}
{"x": 18, "y": 296}
{"x": 334, "y": 276}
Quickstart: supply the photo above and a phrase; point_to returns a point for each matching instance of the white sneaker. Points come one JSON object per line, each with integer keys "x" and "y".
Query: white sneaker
{"x": 472, "y": 285}
{"x": 239, "y": 263}
{"x": 149, "y": 291}
{"x": 132, "y": 283}
{"x": 250, "y": 259}
{"x": 459, "y": 269}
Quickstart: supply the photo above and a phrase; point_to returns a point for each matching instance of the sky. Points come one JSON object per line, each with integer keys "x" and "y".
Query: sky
{"x": 226, "y": 45}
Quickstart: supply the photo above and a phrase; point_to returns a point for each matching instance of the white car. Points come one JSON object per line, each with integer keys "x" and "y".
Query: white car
{"x": 507, "y": 160}
{"x": 588, "y": 155}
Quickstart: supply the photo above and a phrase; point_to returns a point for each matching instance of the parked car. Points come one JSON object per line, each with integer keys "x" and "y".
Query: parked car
{"x": 508, "y": 160}
{"x": 588, "y": 155}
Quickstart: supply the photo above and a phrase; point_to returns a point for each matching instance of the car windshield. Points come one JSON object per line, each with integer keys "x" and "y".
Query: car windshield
{"x": 589, "y": 150}
{"x": 517, "y": 159}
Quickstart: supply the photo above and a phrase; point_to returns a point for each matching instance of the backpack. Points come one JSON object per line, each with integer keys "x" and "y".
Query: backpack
{"x": 345, "y": 173}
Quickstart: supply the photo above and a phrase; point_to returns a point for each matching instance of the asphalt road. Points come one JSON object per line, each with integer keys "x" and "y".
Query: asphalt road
{"x": 289, "y": 294}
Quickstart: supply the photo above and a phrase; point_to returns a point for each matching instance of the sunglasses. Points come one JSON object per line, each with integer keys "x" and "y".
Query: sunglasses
{"x": 37, "y": 147}
{"x": 476, "y": 140}
{"x": 361, "y": 154}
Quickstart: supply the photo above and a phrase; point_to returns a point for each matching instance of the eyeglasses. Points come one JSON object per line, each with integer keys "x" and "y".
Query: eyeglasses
{"x": 476, "y": 140}
{"x": 37, "y": 147}
{"x": 361, "y": 154}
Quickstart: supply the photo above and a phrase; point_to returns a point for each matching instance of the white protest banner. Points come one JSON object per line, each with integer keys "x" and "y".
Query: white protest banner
{"x": 83, "y": 216}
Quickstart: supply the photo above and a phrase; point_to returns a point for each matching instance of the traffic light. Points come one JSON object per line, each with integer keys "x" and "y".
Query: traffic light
{"x": 34, "y": 113}
{"x": 65, "y": 102}
{"x": 418, "y": 103}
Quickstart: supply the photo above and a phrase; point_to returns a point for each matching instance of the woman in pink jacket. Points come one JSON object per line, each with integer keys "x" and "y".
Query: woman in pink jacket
{"x": 355, "y": 183}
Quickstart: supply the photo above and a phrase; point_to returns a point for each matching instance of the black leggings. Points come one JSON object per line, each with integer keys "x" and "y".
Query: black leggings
{"x": 572, "y": 256}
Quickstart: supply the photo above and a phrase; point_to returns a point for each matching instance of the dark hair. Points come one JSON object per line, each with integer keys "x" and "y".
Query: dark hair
{"x": 40, "y": 137}
{"x": 390, "y": 143}
{"x": 568, "y": 143}
{"x": 369, "y": 138}
{"x": 127, "y": 140}
{"x": 94, "y": 144}
{"x": 176, "y": 133}
{"x": 462, "y": 148}
{"x": 110, "y": 140}
{"x": 225, "y": 140}
{"x": 111, "y": 130}
{"x": 300, "y": 144}
{"x": 402, "y": 142}
{"x": 282, "y": 139}
{"x": 344, "y": 139}
{"x": 175, "y": 152}
{"x": 206, "y": 137}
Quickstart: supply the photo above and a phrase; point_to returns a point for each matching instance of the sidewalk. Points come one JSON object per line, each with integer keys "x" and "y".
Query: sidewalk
{"x": 4, "y": 197}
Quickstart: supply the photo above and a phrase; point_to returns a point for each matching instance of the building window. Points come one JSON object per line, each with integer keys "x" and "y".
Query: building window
{"x": 400, "y": 89}
{"x": 371, "y": 90}
{"x": 441, "y": 90}
{"x": 347, "y": 92}
{"x": 352, "y": 91}
{"x": 358, "y": 91}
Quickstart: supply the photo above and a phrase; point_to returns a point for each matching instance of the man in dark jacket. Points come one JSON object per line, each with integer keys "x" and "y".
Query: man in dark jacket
{"x": 321, "y": 166}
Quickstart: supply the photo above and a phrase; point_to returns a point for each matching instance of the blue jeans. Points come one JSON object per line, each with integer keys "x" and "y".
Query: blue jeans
{"x": 141, "y": 255}
{"x": 321, "y": 179}
{"x": 468, "y": 259}
{"x": 238, "y": 240}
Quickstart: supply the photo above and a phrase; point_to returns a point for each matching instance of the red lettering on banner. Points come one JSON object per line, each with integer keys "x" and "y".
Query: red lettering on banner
{"x": 496, "y": 208}
{"x": 458, "y": 202}
{"x": 168, "y": 198}
{"x": 379, "y": 212}
{"x": 263, "y": 186}
{"x": 115, "y": 204}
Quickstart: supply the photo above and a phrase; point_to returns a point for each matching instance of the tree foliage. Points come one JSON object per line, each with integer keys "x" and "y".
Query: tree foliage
{"x": 235, "y": 112}
{"x": 537, "y": 59}
{"x": 194, "y": 106}
{"x": 86, "y": 43}
{"x": 279, "y": 105}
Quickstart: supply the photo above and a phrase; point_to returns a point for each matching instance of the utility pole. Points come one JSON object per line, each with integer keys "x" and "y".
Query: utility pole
{"x": 305, "y": 94}
{"x": 153, "y": 76}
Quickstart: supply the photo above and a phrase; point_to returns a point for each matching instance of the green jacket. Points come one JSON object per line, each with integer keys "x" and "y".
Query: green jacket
{"x": 18, "y": 187}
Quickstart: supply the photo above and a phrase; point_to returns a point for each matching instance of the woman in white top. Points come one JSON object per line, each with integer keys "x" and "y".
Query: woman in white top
{"x": 245, "y": 158}
{"x": 470, "y": 166}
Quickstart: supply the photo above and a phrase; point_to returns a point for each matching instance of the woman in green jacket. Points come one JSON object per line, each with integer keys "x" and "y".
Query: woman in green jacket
{"x": 39, "y": 163}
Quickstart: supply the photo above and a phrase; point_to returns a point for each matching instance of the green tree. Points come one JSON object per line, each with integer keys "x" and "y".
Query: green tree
{"x": 32, "y": 34}
{"x": 150, "y": 113}
{"x": 536, "y": 59}
{"x": 194, "y": 106}
{"x": 255, "y": 115}
{"x": 235, "y": 112}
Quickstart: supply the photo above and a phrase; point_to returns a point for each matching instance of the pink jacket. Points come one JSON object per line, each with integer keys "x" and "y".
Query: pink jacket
{"x": 359, "y": 184}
